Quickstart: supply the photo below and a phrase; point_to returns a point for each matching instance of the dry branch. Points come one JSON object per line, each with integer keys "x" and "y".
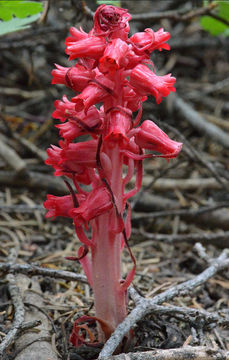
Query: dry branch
{"x": 199, "y": 317}
{"x": 219, "y": 239}
{"x": 33, "y": 270}
{"x": 19, "y": 313}
{"x": 163, "y": 185}
{"x": 199, "y": 123}
{"x": 184, "y": 353}
{"x": 12, "y": 159}
{"x": 35, "y": 180}
{"x": 34, "y": 345}
{"x": 214, "y": 219}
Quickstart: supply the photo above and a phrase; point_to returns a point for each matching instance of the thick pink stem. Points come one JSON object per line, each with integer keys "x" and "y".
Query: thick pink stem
{"x": 110, "y": 298}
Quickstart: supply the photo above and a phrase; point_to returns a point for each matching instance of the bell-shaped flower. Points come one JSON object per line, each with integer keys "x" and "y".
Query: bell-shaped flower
{"x": 150, "y": 40}
{"x": 150, "y": 136}
{"x": 146, "y": 82}
{"x": 111, "y": 21}
{"x": 76, "y": 36}
{"x": 91, "y": 47}
{"x": 99, "y": 89}
{"x": 76, "y": 77}
{"x": 80, "y": 124}
{"x": 114, "y": 56}
{"x": 118, "y": 124}
{"x": 61, "y": 205}
{"x": 64, "y": 109}
{"x": 80, "y": 154}
{"x": 97, "y": 203}
{"x": 67, "y": 167}
{"x": 132, "y": 100}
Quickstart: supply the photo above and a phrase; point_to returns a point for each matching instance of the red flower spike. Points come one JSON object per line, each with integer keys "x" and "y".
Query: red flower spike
{"x": 146, "y": 82}
{"x": 111, "y": 80}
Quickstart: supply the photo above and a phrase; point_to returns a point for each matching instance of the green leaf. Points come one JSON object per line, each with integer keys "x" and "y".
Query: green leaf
{"x": 16, "y": 24}
{"x": 109, "y": 2}
{"x": 214, "y": 26}
{"x": 224, "y": 9}
{"x": 20, "y": 9}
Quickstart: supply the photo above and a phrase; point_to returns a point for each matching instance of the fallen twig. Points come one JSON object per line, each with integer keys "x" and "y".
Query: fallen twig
{"x": 190, "y": 212}
{"x": 199, "y": 317}
{"x": 164, "y": 184}
{"x": 33, "y": 270}
{"x": 198, "y": 122}
{"x": 12, "y": 159}
{"x": 30, "y": 344}
{"x": 194, "y": 154}
{"x": 219, "y": 239}
{"x": 34, "y": 180}
{"x": 19, "y": 313}
{"x": 186, "y": 352}
{"x": 219, "y": 264}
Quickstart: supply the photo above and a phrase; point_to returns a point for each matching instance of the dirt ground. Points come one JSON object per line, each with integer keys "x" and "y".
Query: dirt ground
{"x": 183, "y": 202}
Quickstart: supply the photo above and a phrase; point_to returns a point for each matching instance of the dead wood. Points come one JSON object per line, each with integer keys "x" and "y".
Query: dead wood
{"x": 34, "y": 180}
{"x": 19, "y": 313}
{"x": 218, "y": 239}
{"x": 32, "y": 345}
{"x": 184, "y": 353}
{"x": 34, "y": 270}
{"x": 12, "y": 159}
{"x": 199, "y": 123}
{"x": 162, "y": 185}
{"x": 213, "y": 219}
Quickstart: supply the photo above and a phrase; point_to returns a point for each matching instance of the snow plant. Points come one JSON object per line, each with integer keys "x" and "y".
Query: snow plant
{"x": 112, "y": 77}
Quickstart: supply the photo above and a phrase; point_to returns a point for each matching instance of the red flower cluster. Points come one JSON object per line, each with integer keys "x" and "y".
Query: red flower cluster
{"x": 112, "y": 78}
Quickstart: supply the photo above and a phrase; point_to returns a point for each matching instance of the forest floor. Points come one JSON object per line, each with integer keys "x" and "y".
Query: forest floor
{"x": 180, "y": 219}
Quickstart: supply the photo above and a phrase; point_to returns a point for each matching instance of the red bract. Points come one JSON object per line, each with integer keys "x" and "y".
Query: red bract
{"x": 110, "y": 80}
